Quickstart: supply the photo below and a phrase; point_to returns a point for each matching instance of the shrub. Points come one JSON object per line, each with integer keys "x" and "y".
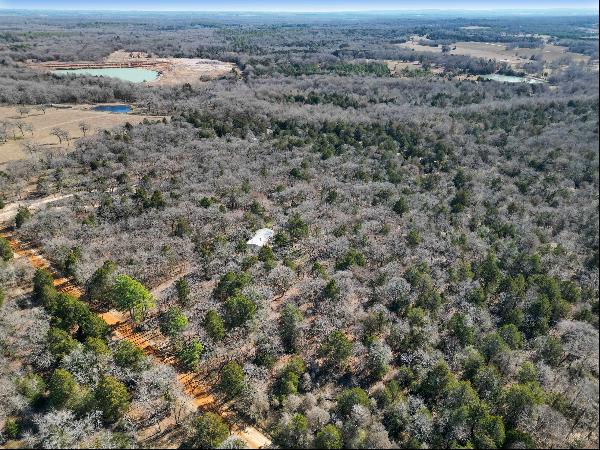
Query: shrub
{"x": 493, "y": 346}
{"x": 489, "y": 272}
{"x": 294, "y": 434}
{"x": 512, "y": 336}
{"x": 352, "y": 258}
{"x": 401, "y": 206}
{"x": 23, "y": 215}
{"x": 62, "y": 388}
{"x": 189, "y": 354}
{"x": 183, "y": 291}
{"x": 6, "y": 252}
{"x": 527, "y": 373}
{"x": 97, "y": 346}
{"x": 329, "y": 437}
{"x": 230, "y": 284}
{"x": 32, "y": 386}
{"x": 552, "y": 351}
{"x": 436, "y": 382}
{"x": 521, "y": 398}
{"x": 570, "y": 291}
{"x": 289, "y": 378}
{"x": 296, "y": 227}
{"x": 290, "y": 330}
{"x": 43, "y": 286}
{"x": 413, "y": 238}
{"x": 60, "y": 343}
{"x": 232, "y": 379}
{"x": 173, "y": 322}
{"x": 239, "y": 309}
{"x": 112, "y": 399}
{"x": 331, "y": 290}
{"x": 128, "y": 356}
{"x": 351, "y": 397}
{"x": 12, "y": 429}
{"x": 337, "y": 348}
{"x": 209, "y": 431}
{"x": 70, "y": 262}
{"x": 131, "y": 295}
{"x": 460, "y": 201}
{"x": 461, "y": 330}
{"x": 214, "y": 325}
{"x": 100, "y": 285}
{"x": 478, "y": 296}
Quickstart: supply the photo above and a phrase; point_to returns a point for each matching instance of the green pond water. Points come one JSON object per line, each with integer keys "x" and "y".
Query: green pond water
{"x": 509, "y": 78}
{"x": 131, "y": 74}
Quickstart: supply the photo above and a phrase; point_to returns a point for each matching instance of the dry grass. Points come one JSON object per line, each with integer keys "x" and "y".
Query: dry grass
{"x": 67, "y": 118}
{"x": 490, "y": 50}
{"x": 398, "y": 68}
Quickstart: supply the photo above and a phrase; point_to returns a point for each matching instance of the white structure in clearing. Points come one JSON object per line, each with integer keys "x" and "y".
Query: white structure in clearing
{"x": 261, "y": 237}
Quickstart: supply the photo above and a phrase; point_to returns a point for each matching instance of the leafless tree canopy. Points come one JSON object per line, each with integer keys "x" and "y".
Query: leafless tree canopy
{"x": 433, "y": 278}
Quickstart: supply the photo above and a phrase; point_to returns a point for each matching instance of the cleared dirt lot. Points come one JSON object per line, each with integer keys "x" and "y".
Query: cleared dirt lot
{"x": 175, "y": 70}
{"x": 398, "y": 68}
{"x": 64, "y": 117}
{"x": 491, "y": 50}
{"x": 172, "y": 71}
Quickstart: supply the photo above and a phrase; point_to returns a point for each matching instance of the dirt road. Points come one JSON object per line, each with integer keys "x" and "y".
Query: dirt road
{"x": 8, "y": 213}
{"x": 152, "y": 342}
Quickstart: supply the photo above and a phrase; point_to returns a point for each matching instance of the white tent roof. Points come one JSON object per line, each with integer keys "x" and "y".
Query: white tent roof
{"x": 261, "y": 237}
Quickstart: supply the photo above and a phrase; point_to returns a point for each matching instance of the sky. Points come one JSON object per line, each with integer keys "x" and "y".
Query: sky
{"x": 294, "y": 5}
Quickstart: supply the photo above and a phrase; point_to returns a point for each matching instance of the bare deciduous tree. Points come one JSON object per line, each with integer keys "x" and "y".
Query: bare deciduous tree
{"x": 60, "y": 133}
{"x": 23, "y": 110}
{"x": 84, "y": 127}
{"x": 32, "y": 148}
{"x": 23, "y": 127}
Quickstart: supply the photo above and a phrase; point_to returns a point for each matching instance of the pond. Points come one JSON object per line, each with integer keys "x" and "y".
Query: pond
{"x": 122, "y": 109}
{"x": 510, "y": 78}
{"x": 131, "y": 74}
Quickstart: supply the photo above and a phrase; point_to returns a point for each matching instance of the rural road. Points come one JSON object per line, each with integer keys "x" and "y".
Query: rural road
{"x": 251, "y": 436}
{"x": 9, "y": 212}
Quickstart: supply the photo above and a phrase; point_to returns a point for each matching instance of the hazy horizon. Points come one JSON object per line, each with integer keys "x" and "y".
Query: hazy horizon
{"x": 310, "y": 6}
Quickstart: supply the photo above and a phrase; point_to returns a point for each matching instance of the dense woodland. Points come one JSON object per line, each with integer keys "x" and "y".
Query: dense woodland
{"x": 432, "y": 281}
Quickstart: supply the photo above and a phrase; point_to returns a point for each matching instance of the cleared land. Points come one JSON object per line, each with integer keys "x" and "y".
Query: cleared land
{"x": 398, "y": 68}
{"x": 175, "y": 70}
{"x": 42, "y": 123}
{"x": 516, "y": 57}
{"x": 172, "y": 71}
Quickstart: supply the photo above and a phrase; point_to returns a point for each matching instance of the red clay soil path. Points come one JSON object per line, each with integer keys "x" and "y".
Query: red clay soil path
{"x": 152, "y": 342}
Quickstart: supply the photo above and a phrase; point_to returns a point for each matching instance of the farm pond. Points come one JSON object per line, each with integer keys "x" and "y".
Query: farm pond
{"x": 131, "y": 74}
{"x": 122, "y": 109}
{"x": 510, "y": 79}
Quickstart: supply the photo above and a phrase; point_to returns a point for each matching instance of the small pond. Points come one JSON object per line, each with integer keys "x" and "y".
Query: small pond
{"x": 122, "y": 109}
{"x": 131, "y": 74}
{"x": 510, "y": 78}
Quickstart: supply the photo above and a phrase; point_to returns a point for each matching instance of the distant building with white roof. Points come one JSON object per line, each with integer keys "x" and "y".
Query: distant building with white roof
{"x": 261, "y": 238}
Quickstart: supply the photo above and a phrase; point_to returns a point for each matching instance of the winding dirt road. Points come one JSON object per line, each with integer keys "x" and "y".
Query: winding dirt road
{"x": 152, "y": 342}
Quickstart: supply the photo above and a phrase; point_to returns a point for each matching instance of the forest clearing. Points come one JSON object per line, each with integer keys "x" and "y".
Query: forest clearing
{"x": 26, "y": 131}
{"x": 516, "y": 57}
{"x": 171, "y": 71}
